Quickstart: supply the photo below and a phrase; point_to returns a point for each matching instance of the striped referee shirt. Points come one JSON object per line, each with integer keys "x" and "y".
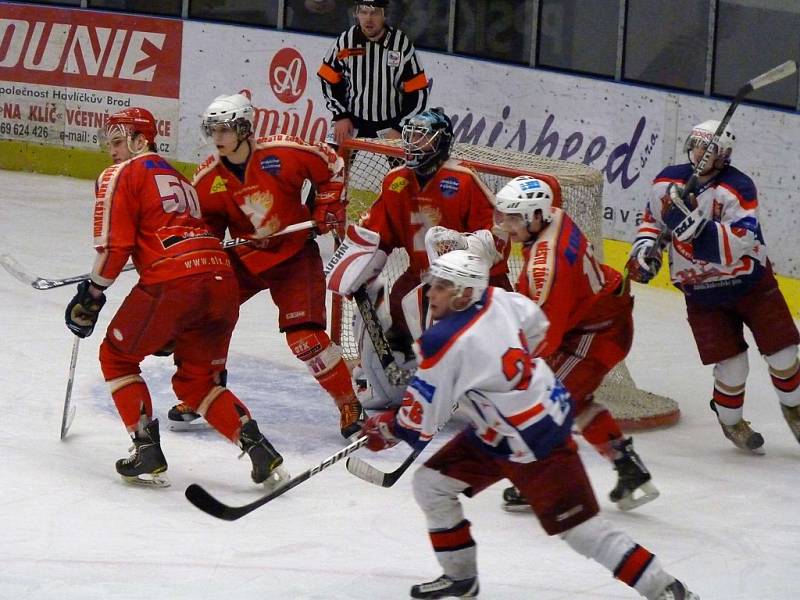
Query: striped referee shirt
{"x": 379, "y": 83}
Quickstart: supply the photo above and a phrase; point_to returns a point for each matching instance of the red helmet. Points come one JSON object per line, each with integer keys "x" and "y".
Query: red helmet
{"x": 131, "y": 121}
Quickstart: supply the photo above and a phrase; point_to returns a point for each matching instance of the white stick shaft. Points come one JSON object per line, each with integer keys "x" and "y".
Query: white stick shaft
{"x": 69, "y": 407}
{"x": 773, "y": 75}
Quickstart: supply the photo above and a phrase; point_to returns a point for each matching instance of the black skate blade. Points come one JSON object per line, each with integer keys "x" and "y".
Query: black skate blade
{"x": 645, "y": 493}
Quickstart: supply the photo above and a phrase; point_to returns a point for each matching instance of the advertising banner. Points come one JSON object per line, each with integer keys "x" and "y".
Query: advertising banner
{"x": 63, "y": 71}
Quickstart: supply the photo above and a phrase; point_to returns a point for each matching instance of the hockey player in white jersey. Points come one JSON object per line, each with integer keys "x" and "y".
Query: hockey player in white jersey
{"x": 479, "y": 358}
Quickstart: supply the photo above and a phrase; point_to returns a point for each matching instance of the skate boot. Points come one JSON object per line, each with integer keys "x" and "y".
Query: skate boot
{"x": 351, "y": 418}
{"x": 792, "y": 416}
{"x": 444, "y": 587}
{"x": 634, "y": 487}
{"x": 513, "y": 501}
{"x": 181, "y": 417}
{"x": 147, "y": 464}
{"x": 742, "y": 435}
{"x": 266, "y": 460}
{"x": 677, "y": 591}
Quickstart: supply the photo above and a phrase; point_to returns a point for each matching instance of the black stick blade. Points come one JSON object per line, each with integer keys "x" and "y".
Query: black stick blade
{"x": 210, "y": 505}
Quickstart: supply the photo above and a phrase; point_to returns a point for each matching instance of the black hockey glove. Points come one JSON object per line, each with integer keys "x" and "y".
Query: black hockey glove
{"x": 83, "y": 310}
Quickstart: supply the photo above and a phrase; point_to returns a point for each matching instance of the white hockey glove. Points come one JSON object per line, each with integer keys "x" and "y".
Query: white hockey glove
{"x": 441, "y": 240}
{"x": 684, "y": 219}
{"x": 644, "y": 261}
{"x": 356, "y": 262}
{"x": 483, "y": 243}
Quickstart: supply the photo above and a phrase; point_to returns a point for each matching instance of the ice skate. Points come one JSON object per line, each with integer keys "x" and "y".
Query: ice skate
{"x": 634, "y": 487}
{"x": 444, "y": 587}
{"x": 513, "y": 501}
{"x": 147, "y": 464}
{"x": 181, "y": 417}
{"x": 677, "y": 591}
{"x": 792, "y": 416}
{"x": 352, "y": 417}
{"x": 266, "y": 460}
{"x": 742, "y": 435}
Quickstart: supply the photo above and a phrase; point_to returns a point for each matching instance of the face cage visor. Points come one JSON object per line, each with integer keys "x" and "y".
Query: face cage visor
{"x": 239, "y": 125}
{"x": 420, "y": 144}
{"x": 105, "y": 135}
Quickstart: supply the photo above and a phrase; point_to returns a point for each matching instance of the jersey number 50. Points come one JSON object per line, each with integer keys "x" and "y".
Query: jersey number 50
{"x": 177, "y": 195}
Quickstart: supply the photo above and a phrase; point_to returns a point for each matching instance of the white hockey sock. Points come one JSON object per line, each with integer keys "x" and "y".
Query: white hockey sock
{"x": 629, "y": 562}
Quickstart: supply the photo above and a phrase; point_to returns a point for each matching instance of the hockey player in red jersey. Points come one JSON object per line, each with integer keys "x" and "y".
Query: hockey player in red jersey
{"x": 186, "y": 294}
{"x": 591, "y": 323}
{"x": 718, "y": 259}
{"x": 430, "y": 190}
{"x": 253, "y": 189}
{"x": 477, "y": 359}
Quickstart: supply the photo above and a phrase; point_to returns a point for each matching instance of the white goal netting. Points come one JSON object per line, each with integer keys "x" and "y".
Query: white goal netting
{"x": 581, "y": 194}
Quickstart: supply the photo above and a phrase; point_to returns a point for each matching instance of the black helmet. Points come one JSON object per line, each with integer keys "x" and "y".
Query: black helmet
{"x": 427, "y": 138}
{"x": 372, "y": 3}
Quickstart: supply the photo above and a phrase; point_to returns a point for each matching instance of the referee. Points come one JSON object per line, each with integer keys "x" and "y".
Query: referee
{"x": 371, "y": 77}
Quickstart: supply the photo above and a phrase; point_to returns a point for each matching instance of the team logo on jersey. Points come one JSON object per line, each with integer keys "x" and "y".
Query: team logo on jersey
{"x": 218, "y": 185}
{"x": 399, "y": 184}
{"x": 271, "y": 164}
{"x": 393, "y": 58}
{"x": 431, "y": 216}
{"x": 257, "y": 206}
{"x": 449, "y": 187}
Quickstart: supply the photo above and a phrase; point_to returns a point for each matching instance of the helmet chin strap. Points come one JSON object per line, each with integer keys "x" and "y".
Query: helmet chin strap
{"x": 130, "y": 140}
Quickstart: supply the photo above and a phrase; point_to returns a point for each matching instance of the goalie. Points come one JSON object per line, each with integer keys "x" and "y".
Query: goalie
{"x": 430, "y": 190}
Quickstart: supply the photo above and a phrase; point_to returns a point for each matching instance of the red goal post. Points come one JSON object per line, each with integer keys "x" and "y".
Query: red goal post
{"x": 580, "y": 190}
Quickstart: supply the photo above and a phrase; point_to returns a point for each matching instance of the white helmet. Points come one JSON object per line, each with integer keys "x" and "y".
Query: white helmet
{"x": 702, "y": 134}
{"x": 464, "y": 270}
{"x": 234, "y": 111}
{"x": 525, "y": 195}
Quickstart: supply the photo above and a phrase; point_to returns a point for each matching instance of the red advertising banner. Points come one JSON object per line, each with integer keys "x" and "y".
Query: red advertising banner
{"x": 90, "y": 50}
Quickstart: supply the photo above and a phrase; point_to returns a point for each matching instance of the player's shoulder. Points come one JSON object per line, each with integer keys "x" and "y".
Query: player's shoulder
{"x": 738, "y": 182}
{"x": 438, "y": 339}
{"x": 455, "y": 176}
{"x": 208, "y": 166}
{"x": 674, "y": 173}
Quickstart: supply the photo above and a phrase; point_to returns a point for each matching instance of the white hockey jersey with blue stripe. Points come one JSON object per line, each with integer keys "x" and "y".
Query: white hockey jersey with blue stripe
{"x": 479, "y": 362}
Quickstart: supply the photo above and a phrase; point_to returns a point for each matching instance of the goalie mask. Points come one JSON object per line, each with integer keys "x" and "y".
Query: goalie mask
{"x": 129, "y": 123}
{"x": 235, "y": 112}
{"x": 460, "y": 270}
{"x": 702, "y": 134}
{"x": 524, "y": 196}
{"x": 427, "y": 138}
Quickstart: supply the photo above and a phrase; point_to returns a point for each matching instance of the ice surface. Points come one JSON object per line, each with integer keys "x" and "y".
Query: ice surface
{"x": 725, "y": 522}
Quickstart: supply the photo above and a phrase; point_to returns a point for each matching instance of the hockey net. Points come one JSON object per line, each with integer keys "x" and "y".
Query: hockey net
{"x": 581, "y": 195}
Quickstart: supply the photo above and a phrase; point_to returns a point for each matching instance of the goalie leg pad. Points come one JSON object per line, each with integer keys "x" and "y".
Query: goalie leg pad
{"x": 324, "y": 361}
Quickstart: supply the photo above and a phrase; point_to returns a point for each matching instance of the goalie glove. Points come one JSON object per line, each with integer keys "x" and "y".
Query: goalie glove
{"x": 357, "y": 261}
{"x": 441, "y": 240}
{"x": 683, "y": 218}
{"x": 83, "y": 310}
{"x": 644, "y": 261}
{"x": 379, "y": 430}
{"x": 484, "y": 244}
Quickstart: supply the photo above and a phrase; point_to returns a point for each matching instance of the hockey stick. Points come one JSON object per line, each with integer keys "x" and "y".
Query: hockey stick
{"x": 208, "y": 504}
{"x": 394, "y": 373}
{"x": 69, "y": 407}
{"x": 364, "y": 470}
{"x": 774, "y": 75}
{"x": 45, "y": 283}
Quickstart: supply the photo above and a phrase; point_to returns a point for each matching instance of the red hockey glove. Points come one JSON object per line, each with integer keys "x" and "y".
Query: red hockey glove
{"x": 380, "y": 431}
{"x": 330, "y": 209}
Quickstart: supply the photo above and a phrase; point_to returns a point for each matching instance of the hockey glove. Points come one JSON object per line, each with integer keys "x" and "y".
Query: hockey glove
{"x": 83, "y": 310}
{"x": 330, "y": 209}
{"x": 683, "y": 218}
{"x": 644, "y": 261}
{"x": 380, "y": 431}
